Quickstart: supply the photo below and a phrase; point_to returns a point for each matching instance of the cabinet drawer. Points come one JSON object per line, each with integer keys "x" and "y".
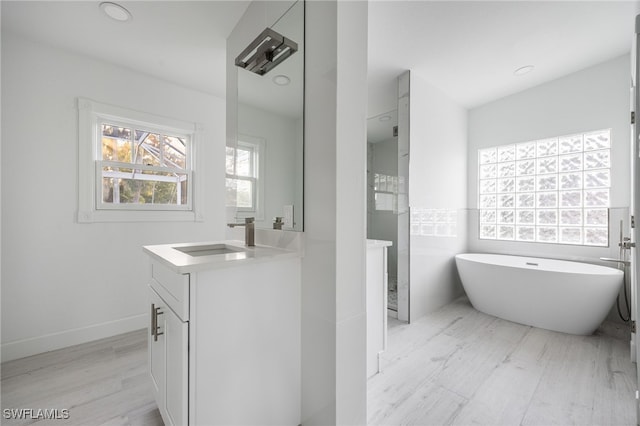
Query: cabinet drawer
{"x": 172, "y": 287}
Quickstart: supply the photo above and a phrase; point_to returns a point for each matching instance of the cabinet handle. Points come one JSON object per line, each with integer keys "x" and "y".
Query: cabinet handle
{"x": 153, "y": 319}
{"x": 154, "y": 322}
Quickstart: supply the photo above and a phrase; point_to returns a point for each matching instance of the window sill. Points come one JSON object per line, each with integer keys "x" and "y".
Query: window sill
{"x": 100, "y": 216}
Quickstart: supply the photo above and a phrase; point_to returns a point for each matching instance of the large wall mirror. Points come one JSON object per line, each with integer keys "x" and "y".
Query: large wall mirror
{"x": 264, "y": 164}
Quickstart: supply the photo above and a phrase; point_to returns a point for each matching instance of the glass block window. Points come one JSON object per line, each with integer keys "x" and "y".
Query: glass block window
{"x": 434, "y": 222}
{"x": 386, "y": 192}
{"x": 554, "y": 190}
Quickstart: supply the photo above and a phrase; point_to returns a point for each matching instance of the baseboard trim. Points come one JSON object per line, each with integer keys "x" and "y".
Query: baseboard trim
{"x": 63, "y": 339}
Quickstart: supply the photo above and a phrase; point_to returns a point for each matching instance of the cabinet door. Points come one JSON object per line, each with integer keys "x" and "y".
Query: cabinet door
{"x": 176, "y": 334}
{"x": 157, "y": 364}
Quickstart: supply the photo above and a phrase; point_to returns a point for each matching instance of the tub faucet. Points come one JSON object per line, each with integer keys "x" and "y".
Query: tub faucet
{"x": 249, "y": 230}
{"x": 620, "y": 261}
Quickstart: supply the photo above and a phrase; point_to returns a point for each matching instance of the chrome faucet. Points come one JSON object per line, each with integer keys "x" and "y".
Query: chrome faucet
{"x": 278, "y": 222}
{"x": 249, "y": 230}
{"x": 619, "y": 261}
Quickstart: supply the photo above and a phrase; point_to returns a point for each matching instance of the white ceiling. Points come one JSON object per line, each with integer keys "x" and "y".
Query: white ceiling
{"x": 179, "y": 41}
{"x": 469, "y": 49}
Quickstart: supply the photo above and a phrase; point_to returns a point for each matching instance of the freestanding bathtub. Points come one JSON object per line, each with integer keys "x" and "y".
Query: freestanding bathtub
{"x": 559, "y": 295}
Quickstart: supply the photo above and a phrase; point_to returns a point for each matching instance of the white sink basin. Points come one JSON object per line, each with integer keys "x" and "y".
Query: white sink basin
{"x": 208, "y": 249}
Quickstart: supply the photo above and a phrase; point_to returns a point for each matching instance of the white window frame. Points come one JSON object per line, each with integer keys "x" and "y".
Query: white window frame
{"x": 91, "y": 208}
{"x": 257, "y": 146}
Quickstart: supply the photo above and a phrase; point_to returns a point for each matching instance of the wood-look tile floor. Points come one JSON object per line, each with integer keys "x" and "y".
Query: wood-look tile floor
{"x": 456, "y": 366}
{"x": 459, "y": 366}
{"x": 101, "y": 383}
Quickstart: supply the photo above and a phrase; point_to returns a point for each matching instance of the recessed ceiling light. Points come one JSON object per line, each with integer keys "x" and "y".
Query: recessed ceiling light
{"x": 115, "y": 11}
{"x": 281, "y": 80}
{"x": 384, "y": 118}
{"x": 523, "y": 70}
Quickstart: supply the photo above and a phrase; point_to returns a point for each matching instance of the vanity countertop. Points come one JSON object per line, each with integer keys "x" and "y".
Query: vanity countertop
{"x": 378, "y": 243}
{"x": 184, "y": 263}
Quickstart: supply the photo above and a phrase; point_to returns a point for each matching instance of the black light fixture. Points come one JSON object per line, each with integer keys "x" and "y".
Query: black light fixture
{"x": 265, "y": 52}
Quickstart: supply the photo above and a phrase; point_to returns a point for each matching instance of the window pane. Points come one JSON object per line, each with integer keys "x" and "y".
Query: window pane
{"x": 596, "y": 217}
{"x": 487, "y": 216}
{"x": 547, "y": 183}
{"x": 506, "y": 216}
{"x": 384, "y": 201}
{"x": 525, "y": 167}
{"x": 547, "y": 217}
{"x": 570, "y": 144}
{"x": 506, "y": 153}
{"x": 488, "y": 201}
{"x": 239, "y": 193}
{"x": 526, "y": 200}
{"x": 525, "y": 184}
{"x": 569, "y": 163}
{"x": 245, "y": 194}
{"x": 570, "y": 180}
{"x": 596, "y": 236}
{"x": 506, "y": 169}
{"x": 506, "y": 185}
{"x": 488, "y": 186}
{"x": 127, "y": 186}
{"x": 232, "y": 194}
{"x": 597, "y": 140}
{"x": 547, "y": 165}
{"x": 525, "y": 150}
{"x": 526, "y": 217}
{"x": 597, "y": 179}
{"x": 488, "y": 231}
{"x": 547, "y": 200}
{"x": 230, "y": 161}
{"x": 148, "y": 148}
{"x": 506, "y": 201}
{"x": 116, "y": 143}
{"x": 488, "y": 171}
{"x": 596, "y": 198}
{"x": 525, "y": 233}
{"x": 597, "y": 159}
{"x": 570, "y": 198}
{"x": 571, "y": 217}
{"x": 506, "y": 232}
{"x": 547, "y": 234}
{"x": 571, "y": 235}
{"x": 547, "y": 148}
{"x": 382, "y": 183}
{"x": 487, "y": 156}
{"x": 243, "y": 162}
{"x": 175, "y": 152}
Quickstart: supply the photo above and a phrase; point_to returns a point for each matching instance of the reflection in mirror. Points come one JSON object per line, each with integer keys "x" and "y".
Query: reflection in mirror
{"x": 383, "y": 188}
{"x": 264, "y": 168}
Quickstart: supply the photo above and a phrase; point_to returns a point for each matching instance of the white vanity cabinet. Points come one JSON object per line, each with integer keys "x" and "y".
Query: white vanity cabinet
{"x": 377, "y": 283}
{"x": 168, "y": 347}
{"x": 227, "y": 347}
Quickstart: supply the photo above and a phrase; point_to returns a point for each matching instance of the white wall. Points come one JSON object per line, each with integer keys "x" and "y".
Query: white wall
{"x": 63, "y": 282}
{"x": 280, "y": 135}
{"x": 437, "y": 180}
{"x": 333, "y": 268}
{"x": 591, "y": 99}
